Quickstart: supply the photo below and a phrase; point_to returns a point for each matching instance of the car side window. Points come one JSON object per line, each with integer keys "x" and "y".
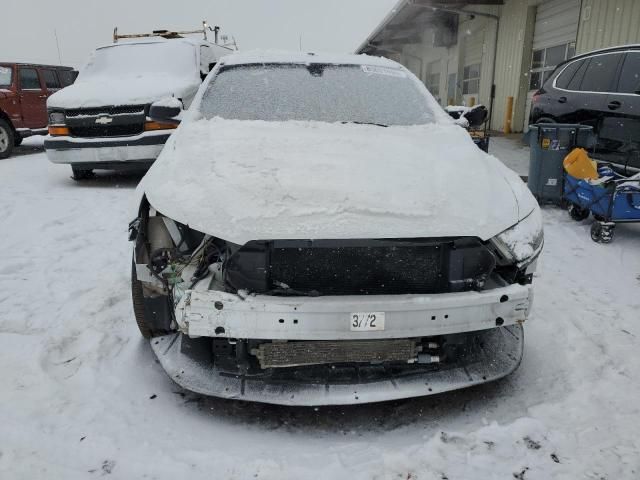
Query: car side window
{"x": 50, "y": 79}
{"x": 66, "y": 77}
{"x": 29, "y": 79}
{"x": 574, "y": 83}
{"x": 630, "y": 75}
{"x": 601, "y": 73}
{"x": 565, "y": 78}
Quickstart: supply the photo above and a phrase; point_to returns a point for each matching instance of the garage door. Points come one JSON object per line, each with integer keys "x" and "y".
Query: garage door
{"x": 556, "y": 23}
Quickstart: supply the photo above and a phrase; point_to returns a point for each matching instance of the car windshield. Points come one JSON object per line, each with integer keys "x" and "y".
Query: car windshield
{"x": 172, "y": 57}
{"x": 5, "y": 76}
{"x": 325, "y": 93}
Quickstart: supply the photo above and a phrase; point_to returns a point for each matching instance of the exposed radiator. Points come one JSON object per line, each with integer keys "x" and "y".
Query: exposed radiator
{"x": 291, "y": 354}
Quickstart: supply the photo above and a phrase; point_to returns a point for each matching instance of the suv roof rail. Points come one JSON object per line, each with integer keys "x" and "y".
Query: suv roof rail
{"x": 168, "y": 33}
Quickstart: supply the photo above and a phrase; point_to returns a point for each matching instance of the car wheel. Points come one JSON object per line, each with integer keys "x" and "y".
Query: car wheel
{"x": 17, "y": 141}
{"x": 578, "y": 213}
{"x": 81, "y": 173}
{"x": 7, "y": 139}
{"x": 138, "y": 304}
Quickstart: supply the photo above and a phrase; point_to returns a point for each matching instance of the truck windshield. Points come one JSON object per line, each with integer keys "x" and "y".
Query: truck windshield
{"x": 327, "y": 93}
{"x": 5, "y": 76}
{"x": 170, "y": 57}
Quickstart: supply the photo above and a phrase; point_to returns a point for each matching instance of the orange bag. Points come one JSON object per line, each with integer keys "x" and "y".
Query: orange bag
{"x": 579, "y": 165}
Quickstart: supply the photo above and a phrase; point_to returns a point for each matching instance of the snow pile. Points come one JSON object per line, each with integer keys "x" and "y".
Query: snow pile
{"x": 245, "y": 180}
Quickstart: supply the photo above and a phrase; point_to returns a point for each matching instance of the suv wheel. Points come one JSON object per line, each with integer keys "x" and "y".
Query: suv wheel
{"x": 81, "y": 173}
{"x": 7, "y": 139}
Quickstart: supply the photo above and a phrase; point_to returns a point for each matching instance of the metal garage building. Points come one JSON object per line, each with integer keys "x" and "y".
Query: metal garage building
{"x": 465, "y": 49}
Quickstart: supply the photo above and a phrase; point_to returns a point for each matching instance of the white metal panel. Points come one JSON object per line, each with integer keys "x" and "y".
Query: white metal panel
{"x": 556, "y": 23}
{"x": 473, "y": 47}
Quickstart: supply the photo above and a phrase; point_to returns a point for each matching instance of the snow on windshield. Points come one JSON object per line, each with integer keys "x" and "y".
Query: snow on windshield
{"x": 326, "y": 93}
{"x": 171, "y": 57}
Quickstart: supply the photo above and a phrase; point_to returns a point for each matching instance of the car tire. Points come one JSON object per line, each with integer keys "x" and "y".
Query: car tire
{"x": 546, "y": 120}
{"x": 17, "y": 141}
{"x": 7, "y": 139}
{"x": 81, "y": 173}
{"x": 138, "y": 304}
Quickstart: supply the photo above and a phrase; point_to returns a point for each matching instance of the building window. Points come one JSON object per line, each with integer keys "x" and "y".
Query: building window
{"x": 545, "y": 60}
{"x": 471, "y": 79}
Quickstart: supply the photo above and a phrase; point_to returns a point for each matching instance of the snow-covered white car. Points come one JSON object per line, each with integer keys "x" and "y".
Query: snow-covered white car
{"x": 319, "y": 231}
{"x": 101, "y": 121}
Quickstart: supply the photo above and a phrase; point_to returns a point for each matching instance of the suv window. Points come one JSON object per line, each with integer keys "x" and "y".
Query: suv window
{"x": 601, "y": 73}
{"x": 6, "y": 76}
{"x": 50, "y": 79}
{"x": 29, "y": 79}
{"x": 630, "y": 76}
{"x": 568, "y": 73}
{"x": 66, "y": 77}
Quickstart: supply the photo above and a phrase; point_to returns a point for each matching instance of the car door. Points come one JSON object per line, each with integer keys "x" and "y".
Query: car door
{"x": 33, "y": 98}
{"x": 597, "y": 82}
{"x": 621, "y": 125}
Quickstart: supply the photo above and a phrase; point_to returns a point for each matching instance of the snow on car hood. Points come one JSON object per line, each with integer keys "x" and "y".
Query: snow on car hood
{"x": 249, "y": 180}
{"x": 98, "y": 91}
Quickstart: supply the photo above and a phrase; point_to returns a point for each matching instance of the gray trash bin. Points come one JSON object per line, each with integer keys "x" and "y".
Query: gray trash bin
{"x": 550, "y": 143}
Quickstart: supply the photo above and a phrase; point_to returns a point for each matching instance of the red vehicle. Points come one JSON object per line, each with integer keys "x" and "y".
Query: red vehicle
{"x": 24, "y": 89}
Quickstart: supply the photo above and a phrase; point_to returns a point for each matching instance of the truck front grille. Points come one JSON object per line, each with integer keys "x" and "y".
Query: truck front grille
{"x": 107, "y": 130}
{"x": 291, "y": 354}
{"x": 108, "y": 110}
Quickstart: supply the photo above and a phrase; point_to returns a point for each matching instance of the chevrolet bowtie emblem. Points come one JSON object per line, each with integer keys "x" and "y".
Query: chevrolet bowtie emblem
{"x": 104, "y": 120}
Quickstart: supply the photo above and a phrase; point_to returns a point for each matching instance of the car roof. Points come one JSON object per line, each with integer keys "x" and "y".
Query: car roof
{"x": 276, "y": 56}
{"x": 618, "y": 48}
{"x": 43, "y": 65}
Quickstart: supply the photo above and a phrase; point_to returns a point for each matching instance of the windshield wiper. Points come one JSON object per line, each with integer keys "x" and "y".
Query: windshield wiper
{"x": 365, "y": 123}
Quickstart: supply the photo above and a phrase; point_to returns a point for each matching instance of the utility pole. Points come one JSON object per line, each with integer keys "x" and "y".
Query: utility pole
{"x": 55, "y": 33}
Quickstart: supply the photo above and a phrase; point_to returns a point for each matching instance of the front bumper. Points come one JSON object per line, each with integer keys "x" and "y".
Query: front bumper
{"x": 213, "y": 313}
{"x": 499, "y": 355}
{"x": 108, "y": 151}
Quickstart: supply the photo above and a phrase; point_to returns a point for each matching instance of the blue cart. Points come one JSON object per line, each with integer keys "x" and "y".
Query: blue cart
{"x": 616, "y": 200}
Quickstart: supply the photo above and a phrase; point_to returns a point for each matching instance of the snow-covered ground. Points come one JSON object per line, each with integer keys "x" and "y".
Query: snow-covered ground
{"x": 82, "y": 396}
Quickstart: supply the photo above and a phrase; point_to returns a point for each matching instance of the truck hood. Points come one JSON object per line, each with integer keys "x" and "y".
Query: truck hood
{"x": 98, "y": 91}
{"x": 249, "y": 180}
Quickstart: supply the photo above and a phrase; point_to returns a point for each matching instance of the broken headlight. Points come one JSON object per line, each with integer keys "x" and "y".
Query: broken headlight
{"x": 522, "y": 243}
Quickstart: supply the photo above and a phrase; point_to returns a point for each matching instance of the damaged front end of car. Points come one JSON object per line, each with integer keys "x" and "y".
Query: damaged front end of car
{"x": 330, "y": 321}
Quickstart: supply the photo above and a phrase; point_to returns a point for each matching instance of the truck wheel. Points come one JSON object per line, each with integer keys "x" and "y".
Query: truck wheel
{"x": 7, "y": 139}
{"x": 138, "y": 304}
{"x": 81, "y": 173}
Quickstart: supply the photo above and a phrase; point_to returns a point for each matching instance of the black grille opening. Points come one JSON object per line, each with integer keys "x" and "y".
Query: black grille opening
{"x": 359, "y": 267}
{"x": 107, "y": 130}
{"x": 107, "y": 110}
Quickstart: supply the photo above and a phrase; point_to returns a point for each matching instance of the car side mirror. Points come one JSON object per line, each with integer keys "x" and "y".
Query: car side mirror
{"x": 166, "y": 110}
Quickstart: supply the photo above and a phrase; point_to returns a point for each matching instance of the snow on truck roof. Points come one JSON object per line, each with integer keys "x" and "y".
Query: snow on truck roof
{"x": 276, "y": 56}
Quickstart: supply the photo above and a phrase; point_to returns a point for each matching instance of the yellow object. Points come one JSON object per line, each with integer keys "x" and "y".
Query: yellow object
{"x": 508, "y": 113}
{"x": 579, "y": 165}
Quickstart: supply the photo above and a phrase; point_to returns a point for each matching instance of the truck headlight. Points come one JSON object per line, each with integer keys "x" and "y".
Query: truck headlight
{"x": 523, "y": 242}
{"x": 57, "y": 118}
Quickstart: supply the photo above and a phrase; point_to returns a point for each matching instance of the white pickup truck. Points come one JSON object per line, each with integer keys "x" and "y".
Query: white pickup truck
{"x": 101, "y": 122}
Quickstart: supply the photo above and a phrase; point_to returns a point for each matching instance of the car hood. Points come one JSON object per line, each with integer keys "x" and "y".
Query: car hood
{"x": 99, "y": 91}
{"x": 249, "y": 180}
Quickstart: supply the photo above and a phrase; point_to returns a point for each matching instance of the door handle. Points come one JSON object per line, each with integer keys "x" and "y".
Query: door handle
{"x": 562, "y": 100}
{"x": 614, "y": 105}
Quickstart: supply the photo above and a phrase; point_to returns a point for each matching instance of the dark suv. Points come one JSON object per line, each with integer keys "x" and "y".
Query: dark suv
{"x": 24, "y": 89}
{"x": 602, "y": 89}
